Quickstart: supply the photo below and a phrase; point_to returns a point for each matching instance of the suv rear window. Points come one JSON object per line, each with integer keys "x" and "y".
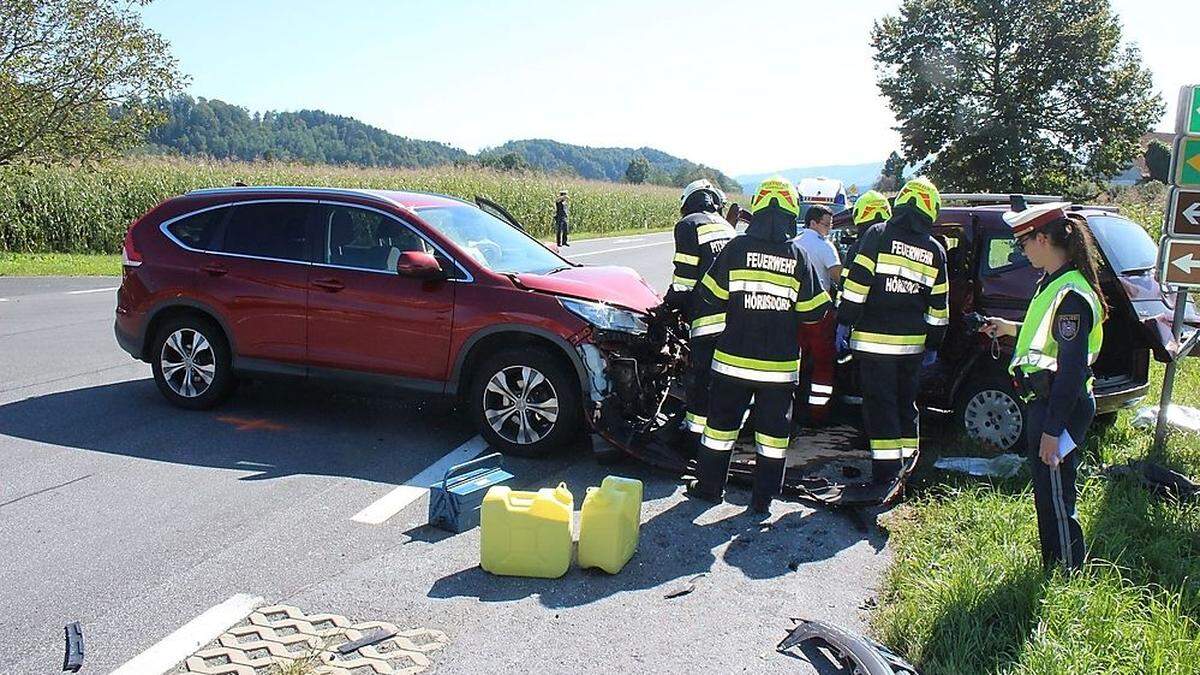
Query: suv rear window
{"x": 270, "y": 230}
{"x": 1125, "y": 243}
{"x": 196, "y": 231}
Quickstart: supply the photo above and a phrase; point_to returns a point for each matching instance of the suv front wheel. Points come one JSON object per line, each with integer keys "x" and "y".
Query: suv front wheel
{"x": 191, "y": 363}
{"x": 991, "y": 412}
{"x": 525, "y": 402}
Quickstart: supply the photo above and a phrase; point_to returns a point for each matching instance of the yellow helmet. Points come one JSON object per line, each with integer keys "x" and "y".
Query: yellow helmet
{"x": 923, "y": 195}
{"x": 871, "y": 207}
{"x": 781, "y": 191}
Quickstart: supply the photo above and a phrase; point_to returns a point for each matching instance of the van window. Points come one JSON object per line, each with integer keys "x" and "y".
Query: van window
{"x": 1126, "y": 244}
{"x": 268, "y": 230}
{"x": 365, "y": 239}
{"x": 1003, "y": 255}
{"x": 197, "y": 230}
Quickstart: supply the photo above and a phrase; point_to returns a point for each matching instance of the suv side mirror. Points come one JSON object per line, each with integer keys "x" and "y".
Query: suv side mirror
{"x": 419, "y": 265}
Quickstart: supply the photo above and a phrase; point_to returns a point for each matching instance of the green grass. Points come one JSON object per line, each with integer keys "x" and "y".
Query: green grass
{"x": 59, "y": 264}
{"x": 966, "y": 593}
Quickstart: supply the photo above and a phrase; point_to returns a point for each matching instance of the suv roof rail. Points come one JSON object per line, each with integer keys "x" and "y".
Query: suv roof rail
{"x": 997, "y": 198}
{"x": 345, "y": 192}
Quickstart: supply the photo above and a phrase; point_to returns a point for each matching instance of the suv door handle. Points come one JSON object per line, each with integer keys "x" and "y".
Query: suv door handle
{"x": 329, "y": 284}
{"x": 215, "y": 269}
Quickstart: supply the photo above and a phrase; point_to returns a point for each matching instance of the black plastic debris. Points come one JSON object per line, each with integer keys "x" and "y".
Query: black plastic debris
{"x": 1157, "y": 479}
{"x": 856, "y": 653}
{"x": 371, "y": 638}
{"x": 684, "y": 588}
{"x": 73, "y": 658}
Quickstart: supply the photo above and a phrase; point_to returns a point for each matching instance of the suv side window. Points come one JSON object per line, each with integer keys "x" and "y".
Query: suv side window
{"x": 364, "y": 239}
{"x": 1000, "y": 255}
{"x": 268, "y": 230}
{"x": 197, "y": 230}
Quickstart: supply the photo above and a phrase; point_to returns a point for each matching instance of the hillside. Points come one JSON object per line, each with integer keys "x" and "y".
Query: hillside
{"x": 862, "y": 175}
{"x": 609, "y": 163}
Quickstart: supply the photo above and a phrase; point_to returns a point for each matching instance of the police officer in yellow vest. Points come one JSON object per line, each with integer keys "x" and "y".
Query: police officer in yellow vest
{"x": 1056, "y": 345}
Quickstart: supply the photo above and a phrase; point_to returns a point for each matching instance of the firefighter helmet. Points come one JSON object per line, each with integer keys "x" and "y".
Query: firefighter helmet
{"x": 702, "y": 184}
{"x": 777, "y": 190}
{"x": 923, "y": 195}
{"x": 871, "y": 207}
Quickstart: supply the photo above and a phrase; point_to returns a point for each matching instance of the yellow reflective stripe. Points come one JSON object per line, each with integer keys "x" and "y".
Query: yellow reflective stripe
{"x": 938, "y": 312}
{"x": 756, "y": 364}
{"x": 886, "y": 443}
{"x": 701, "y": 321}
{"x": 813, "y": 303}
{"x": 770, "y": 441}
{"x": 908, "y": 269}
{"x": 885, "y": 339}
{"x": 687, "y": 259}
{"x": 764, "y": 275}
{"x": 711, "y": 284}
{"x": 939, "y": 289}
{"x": 720, "y": 435}
{"x": 866, "y": 262}
{"x": 709, "y": 228}
{"x": 855, "y": 287}
{"x": 687, "y": 283}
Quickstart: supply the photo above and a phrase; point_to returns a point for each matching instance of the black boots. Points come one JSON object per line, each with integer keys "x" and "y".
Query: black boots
{"x": 885, "y": 471}
{"x": 712, "y": 470}
{"x": 768, "y": 480}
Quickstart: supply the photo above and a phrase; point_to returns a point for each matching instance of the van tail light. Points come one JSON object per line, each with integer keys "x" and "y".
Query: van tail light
{"x": 130, "y": 257}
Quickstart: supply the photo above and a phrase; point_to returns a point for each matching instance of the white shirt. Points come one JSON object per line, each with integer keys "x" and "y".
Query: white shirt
{"x": 821, "y": 253}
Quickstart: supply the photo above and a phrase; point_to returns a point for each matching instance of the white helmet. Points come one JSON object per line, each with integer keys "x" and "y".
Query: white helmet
{"x": 702, "y": 184}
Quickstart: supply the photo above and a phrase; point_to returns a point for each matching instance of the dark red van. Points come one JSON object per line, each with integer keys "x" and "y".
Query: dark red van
{"x": 375, "y": 290}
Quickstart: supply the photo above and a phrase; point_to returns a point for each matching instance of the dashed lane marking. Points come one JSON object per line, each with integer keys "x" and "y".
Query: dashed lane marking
{"x": 395, "y": 501}
{"x": 92, "y": 290}
{"x": 191, "y": 636}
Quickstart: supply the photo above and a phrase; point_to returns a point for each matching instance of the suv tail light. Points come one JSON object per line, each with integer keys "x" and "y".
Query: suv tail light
{"x": 130, "y": 257}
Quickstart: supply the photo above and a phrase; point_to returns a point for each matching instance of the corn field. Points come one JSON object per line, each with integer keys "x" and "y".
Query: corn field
{"x": 86, "y": 210}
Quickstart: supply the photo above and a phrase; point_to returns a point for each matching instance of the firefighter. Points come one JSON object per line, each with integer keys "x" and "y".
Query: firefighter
{"x": 699, "y": 237}
{"x": 872, "y": 207}
{"x": 1056, "y": 344}
{"x": 893, "y": 315}
{"x": 764, "y": 287}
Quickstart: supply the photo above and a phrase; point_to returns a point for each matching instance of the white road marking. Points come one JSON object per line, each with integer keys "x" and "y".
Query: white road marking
{"x": 619, "y": 248}
{"x": 395, "y": 501}
{"x": 3, "y": 299}
{"x": 191, "y": 636}
{"x": 257, "y": 465}
{"x": 93, "y": 290}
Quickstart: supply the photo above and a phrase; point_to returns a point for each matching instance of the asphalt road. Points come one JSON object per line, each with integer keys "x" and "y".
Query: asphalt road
{"x": 134, "y": 517}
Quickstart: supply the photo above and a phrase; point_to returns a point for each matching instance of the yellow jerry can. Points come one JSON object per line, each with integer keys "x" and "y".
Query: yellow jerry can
{"x": 609, "y": 523}
{"x": 526, "y": 534}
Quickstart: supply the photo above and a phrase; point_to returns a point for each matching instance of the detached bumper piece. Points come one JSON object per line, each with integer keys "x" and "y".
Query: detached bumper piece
{"x": 856, "y": 653}
{"x": 73, "y": 658}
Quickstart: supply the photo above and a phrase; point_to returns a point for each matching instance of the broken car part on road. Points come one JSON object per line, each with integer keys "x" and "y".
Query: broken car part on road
{"x": 638, "y": 404}
{"x": 865, "y": 655}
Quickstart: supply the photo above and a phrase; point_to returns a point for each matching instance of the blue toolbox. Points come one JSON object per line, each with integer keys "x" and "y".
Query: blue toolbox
{"x": 454, "y": 503}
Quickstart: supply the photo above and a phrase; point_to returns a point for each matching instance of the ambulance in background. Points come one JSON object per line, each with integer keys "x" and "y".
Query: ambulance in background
{"x": 825, "y": 191}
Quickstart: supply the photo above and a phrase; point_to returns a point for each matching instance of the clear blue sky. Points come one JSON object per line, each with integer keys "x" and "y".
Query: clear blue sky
{"x": 613, "y": 73}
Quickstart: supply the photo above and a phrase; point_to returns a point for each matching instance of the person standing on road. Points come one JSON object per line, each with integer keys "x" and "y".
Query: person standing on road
{"x": 1056, "y": 345}
{"x": 560, "y": 218}
{"x": 764, "y": 287}
{"x": 892, "y": 316}
{"x": 870, "y": 208}
{"x": 699, "y": 237}
{"x": 816, "y": 339}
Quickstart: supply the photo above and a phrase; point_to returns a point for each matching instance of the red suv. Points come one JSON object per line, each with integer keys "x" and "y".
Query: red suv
{"x": 376, "y": 290}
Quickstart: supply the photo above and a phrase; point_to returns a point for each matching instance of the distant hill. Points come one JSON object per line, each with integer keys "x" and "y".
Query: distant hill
{"x": 862, "y": 175}
{"x": 609, "y": 163}
{"x": 216, "y": 129}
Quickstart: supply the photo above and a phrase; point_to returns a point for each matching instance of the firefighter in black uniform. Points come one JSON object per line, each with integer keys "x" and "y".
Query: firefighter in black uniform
{"x": 870, "y": 208}
{"x": 699, "y": 237}
{"x": 765, "y": 287}
{"x": 893, "y": 314}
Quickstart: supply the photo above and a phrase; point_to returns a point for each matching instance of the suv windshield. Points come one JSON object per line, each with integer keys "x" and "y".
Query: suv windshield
{"x": 1125, "y": 244}
{"x": 492, "y": 242}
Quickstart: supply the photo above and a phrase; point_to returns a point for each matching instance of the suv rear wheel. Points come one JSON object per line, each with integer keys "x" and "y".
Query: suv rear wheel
{"x": 191, "y": 362}
{"x": 990, "y": 411}
{"x": 525, "y": 402}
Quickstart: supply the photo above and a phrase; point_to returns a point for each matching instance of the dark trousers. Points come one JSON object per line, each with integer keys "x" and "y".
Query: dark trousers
{"x": 699, "y": 376}
{"x": 1059, "y": 532}
{"x": 560, "y": 229}
{"x": 890, "y": 416}
{"x": 817, "y": 355}
{"x": 772, "y": 426}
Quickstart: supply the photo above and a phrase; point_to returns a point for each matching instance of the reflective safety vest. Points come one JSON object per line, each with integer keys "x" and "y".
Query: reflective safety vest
{"x": 1036, "y": 347}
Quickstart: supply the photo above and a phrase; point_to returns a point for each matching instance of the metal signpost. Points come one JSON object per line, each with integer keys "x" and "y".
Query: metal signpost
{"x": 1179, "y": 250}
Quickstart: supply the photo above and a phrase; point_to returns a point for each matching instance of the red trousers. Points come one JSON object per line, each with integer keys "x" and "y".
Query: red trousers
{"x": 817, "y": 356}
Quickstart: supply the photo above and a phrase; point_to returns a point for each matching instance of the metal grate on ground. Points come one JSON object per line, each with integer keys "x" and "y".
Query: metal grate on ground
{"x": 283, "y": 639}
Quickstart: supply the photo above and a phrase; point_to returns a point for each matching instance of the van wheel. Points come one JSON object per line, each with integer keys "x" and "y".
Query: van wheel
{"x": 990, "y": 411}
{"x": 525, "y": 403}
{"x": 191, "y": 363}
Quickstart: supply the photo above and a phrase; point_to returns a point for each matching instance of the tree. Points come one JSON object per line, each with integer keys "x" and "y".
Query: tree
{"x": 77, "y": 78}
{"x": 509, "y": 161}
{"x": 638, "y": 170}
{"x": 892, "y": 176}
{"x": 1014, "y": 95}
{"x": 1158, "y": 161}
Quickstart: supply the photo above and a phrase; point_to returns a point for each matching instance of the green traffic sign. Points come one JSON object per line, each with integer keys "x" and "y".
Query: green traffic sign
{"x": 1192, "y": 112}
{"x": 1187, "y": 162}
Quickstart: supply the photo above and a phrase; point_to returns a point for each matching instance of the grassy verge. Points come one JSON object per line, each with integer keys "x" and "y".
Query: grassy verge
{"x": 966, "y": 593}
{"x": 59, "y": 264}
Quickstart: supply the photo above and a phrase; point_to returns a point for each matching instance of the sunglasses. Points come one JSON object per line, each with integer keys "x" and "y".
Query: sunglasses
{"x": 1023, "y": 241}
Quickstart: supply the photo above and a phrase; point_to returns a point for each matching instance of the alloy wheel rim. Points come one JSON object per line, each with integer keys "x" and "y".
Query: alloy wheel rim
{"x": 994, "y": 417}
{"x": 520, "y": 404}
{"x": 188, "y": 363}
